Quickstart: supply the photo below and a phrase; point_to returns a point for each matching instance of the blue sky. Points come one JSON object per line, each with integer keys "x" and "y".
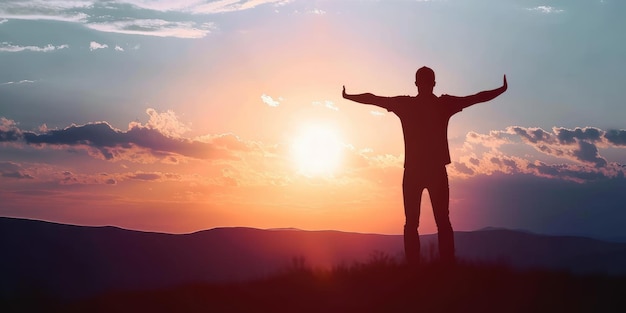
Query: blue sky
{"x": 239, "y": 79}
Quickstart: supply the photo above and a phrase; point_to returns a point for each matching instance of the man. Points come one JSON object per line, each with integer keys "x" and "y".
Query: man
{"x": 424, "y": 121}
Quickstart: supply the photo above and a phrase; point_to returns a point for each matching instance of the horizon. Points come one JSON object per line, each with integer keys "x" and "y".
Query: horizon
{"x": 175, "y": 118}
{"x": 486, "y": 228}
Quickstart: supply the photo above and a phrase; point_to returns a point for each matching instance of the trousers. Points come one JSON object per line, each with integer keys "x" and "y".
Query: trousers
{"x": 435, "y": 180}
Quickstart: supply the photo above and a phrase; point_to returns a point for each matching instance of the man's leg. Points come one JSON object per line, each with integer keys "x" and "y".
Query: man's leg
{"x": 412, "y": 193}
{"x": 439, "y": 192}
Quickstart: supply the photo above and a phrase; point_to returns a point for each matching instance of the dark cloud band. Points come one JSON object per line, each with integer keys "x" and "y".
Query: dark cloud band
{"x": 111, "y": 143}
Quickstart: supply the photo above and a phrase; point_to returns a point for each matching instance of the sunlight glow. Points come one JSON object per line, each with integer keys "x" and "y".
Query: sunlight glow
{"x": 316, "y": 151}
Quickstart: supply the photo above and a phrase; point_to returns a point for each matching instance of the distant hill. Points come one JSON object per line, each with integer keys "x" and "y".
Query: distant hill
{"x": 75, "y": 261}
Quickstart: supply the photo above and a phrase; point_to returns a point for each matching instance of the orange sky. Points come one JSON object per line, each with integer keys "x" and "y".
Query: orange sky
{"x": 193, "y": 117}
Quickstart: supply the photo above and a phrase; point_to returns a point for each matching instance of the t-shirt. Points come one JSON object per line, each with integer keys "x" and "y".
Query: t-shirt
{"x": 425, "y": 127}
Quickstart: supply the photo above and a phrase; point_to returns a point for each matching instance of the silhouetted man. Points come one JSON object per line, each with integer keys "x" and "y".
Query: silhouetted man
{"x": 424, "y": 121}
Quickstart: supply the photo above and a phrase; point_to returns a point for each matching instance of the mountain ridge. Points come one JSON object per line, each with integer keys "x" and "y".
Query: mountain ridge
{"x": 76, "y": 261}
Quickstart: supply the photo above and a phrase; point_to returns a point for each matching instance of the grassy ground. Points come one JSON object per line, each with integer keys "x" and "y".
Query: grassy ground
{"x": 380, "y": 285}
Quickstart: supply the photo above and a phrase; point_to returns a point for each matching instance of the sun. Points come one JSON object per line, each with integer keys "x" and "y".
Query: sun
{"x": 316, "y": 150}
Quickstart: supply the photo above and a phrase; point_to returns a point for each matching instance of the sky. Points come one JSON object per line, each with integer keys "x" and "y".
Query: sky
{"x": 179, "y": 116}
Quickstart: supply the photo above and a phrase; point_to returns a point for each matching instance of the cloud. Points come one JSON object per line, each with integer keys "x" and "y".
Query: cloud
{"x": 487, "y": 164}
{"x": 221, "y": 6}
{"x": 575, "y": 173}
{"x": 492, "y": 140}
{"x": 330, "y": 105}
{"x": 155, "y": 27}
{"x": 118, "y": 48}
{"x": 162, "y": 18}
{"x": 114, "y": 144}
{"x": 71, "y": 178}
{"x": 531, "y": 135}
{"x": 58, "y": 174}
{"x": 145, "y": 176}
{"x": 377, "y": 113}
{"x": 588, "y": 152}
{"x": 327, "y": 104}
{"x": 494, "y": 163}
{"x": 62, "y": 10}
{"x": 95, "y": 46}
{"x": 166, "y": 123}
{"x": 23, "y": 81}
{"x": 580, "y": 145}
{"x": 569, "y": 136}
{"x": 158, "y": 140}
{"x": 9, "y": 131}
{"x": 13, "y": 170}
{"x": 17, "y": 175}
{"x": 545, "y": 9}
{"x": 318, "y": 12}
{"x": 269, "y": 101}
{"x": 8, "y": 47}
{"x": 461, "y": 167}
{"x": 577, "y": 144}
{"x": 616, "y": 137}
{"x": 197, "y": 6}
{"x": 2, "y": 21}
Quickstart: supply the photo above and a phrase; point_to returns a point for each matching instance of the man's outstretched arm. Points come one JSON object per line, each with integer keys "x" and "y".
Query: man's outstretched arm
{"x": 366, "y": 98}
{"x": 482, "y": 96}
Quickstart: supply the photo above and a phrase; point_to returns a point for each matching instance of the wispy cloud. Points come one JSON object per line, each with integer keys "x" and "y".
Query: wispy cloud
{"x": 545, "y": 9}
{"x": 155, "y": 27}
{"x": 327, "y": 104}
{"x": 118, "y": 48}
{"x": 58, "y": 10}
{"x": 150, "y": 176}
{"x": 13, "y": 170}
{"x": 23, "y": 81}
{"x": 318, "y": 12}
{"x": 270, "y": 101}
{"x": 198, "y": 6}
{"x": 57, "y": 174}
{"x": 95, "y": 46}
{"x": 8, "y": 47}
{"x": 221, "y": 6}
{"x": 163, "y": 18}
{"x": 2, "y": 21}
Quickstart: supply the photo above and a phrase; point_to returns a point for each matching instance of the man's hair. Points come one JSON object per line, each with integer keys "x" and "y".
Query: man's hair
{"x": 425, "y": 74}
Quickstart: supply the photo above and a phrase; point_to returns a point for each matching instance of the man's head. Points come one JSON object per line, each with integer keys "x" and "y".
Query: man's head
{"x": 425, "y": 80}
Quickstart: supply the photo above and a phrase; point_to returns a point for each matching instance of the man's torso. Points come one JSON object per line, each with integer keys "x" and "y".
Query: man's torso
{"x": 425, "y": 127}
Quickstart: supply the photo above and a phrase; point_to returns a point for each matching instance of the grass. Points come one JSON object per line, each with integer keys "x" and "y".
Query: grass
{"x": 379, "y": 285}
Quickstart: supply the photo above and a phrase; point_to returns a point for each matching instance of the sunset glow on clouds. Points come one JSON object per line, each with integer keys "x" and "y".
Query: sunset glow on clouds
{"x": 577, "y": 148}
{"x": 179, "y": 116}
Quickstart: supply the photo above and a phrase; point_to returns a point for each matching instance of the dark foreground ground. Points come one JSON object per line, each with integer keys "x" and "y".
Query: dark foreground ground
{"x": 379, "y": 286}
